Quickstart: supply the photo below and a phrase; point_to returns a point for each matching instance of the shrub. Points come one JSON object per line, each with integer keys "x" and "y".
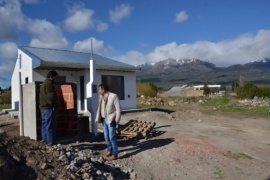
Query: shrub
{"x": 263, "y": 92}
{"x": 6, "y": 98}
{"x": 249, "y": 90}
{"x": 147, "y": 89}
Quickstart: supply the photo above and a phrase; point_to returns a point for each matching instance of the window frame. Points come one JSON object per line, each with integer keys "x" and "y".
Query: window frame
{"x": 112, "y": 81}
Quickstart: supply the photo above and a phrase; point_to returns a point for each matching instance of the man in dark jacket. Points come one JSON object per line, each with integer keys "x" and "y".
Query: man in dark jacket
{"x": 47, "y": 103}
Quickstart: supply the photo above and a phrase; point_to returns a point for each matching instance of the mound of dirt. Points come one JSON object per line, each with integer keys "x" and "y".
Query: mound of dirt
{"x": 23, "y": 158}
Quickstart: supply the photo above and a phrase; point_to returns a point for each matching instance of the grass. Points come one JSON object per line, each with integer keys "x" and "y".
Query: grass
{"x": 237, "y": 156}
{"x": 5, "y": 106}
{"x": 227, "y": 105}
{"x": 224, "y": 104}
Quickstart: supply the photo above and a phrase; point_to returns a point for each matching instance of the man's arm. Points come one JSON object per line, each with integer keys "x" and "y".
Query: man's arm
{"x": 117, "y": 109}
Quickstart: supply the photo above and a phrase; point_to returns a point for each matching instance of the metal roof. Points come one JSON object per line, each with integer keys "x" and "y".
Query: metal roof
{"x": 70, "y": 60}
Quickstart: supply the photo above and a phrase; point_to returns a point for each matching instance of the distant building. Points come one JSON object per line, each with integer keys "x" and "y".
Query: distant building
{"x": 200, "y": 87}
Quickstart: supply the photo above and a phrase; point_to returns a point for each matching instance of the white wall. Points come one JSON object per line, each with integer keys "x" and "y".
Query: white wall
{"x": 130, "y": 87}
{"x": 25, "y": 67}
{"x": 15, "y": 87}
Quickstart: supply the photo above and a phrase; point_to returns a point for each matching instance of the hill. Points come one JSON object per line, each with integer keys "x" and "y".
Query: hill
{"x": 170, "y": 72}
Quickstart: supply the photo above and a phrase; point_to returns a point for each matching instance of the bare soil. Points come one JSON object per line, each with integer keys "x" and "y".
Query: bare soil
{"x": 188, "y": 142}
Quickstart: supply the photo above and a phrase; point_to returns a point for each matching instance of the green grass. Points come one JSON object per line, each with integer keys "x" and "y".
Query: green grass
{"x": 224, "y": 104}
{"x": 5, "y": 106}
{"x": 237, "y": 156}
{"x": 219, "y": 101}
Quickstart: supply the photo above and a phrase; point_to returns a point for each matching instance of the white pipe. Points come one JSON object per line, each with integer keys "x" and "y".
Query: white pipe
{"x": 92, "y": 97}
{"x": 21, "y": 106}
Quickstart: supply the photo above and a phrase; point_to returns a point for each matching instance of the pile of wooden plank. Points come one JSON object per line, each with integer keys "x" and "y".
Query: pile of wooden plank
{"x": 135, "y": 128}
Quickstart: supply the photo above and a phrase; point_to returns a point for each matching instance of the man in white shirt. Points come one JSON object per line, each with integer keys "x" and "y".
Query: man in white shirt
{"x": 109, "y": 114}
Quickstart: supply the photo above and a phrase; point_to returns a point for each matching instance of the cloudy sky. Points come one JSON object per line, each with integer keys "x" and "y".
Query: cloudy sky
{"x": 137, "y": 31}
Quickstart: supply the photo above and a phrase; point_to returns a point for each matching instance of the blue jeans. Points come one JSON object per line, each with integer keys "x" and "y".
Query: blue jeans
{"x": 110, "y": 137}
{"x": 48, "y": 117}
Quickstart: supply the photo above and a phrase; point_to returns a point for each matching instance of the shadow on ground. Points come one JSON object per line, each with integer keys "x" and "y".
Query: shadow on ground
{"x": 134, "y": 147}
{"x": 162, "y": 110}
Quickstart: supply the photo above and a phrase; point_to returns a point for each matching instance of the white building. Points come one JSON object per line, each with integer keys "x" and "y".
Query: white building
{"x": 200, "y": 87}
{"x": 33, "y": 65}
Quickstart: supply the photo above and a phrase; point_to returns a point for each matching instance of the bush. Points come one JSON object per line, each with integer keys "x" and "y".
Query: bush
{"x": 147, "y": 89}
{"x": 249, "y": 90}
{"x": 264, "y": 92}
{"x": 6, "y": 98}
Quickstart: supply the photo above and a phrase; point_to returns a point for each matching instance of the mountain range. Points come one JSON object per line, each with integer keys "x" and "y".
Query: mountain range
{"x": 171, "y": 72}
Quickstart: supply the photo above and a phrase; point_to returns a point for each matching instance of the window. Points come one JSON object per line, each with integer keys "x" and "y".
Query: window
{"x": 116, "y": 85}
{"x": 26, "y": 80}
{"x": 20, "y": 61}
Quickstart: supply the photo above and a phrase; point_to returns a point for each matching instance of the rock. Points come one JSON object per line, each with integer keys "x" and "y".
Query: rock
{"x": 74, "y": 168}
{"x": 44, "y": 166}
{"x": 99, "y": 172}
{"x": 63, "y": 159}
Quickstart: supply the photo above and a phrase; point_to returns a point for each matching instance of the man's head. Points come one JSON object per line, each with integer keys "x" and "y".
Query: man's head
{"x": 52, "y": 75}
{"x": 103, "y": 88}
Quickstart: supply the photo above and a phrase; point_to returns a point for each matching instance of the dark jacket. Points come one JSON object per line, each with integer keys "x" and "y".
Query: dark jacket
{"x": 47, "y": 95}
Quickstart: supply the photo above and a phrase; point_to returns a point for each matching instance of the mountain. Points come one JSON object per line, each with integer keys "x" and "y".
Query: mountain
{"x": 171, "y": 72}
{"x": 181, "y": 65}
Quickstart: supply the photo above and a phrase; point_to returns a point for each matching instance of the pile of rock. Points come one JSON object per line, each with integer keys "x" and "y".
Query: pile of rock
{"x": 158, "y": 101}
{"x": 24, "y": 158}
{"x": 149, "y": 101}
{"x": 261, "y": 102}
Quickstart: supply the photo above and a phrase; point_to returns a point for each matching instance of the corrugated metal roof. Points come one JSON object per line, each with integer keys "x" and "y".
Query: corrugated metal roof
{"x": 70, "y": 59}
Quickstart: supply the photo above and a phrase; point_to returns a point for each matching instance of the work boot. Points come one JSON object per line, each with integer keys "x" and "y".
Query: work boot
{"x": 108, "y": 153}
{"x": 111, "y": 158}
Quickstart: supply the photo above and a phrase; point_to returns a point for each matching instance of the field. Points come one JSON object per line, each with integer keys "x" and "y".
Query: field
{"x": 189, "y": 141}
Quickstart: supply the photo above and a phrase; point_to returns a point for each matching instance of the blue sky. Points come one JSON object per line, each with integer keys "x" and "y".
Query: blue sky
{"x": 137, "y": 31}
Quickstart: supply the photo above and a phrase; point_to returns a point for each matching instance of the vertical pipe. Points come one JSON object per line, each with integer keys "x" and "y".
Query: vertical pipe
{"x": 92, "y": 96}
{"x": 21, "y": 106}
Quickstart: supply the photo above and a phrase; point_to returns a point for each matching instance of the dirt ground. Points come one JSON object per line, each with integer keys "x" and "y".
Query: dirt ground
{"x": 188, "y": 142}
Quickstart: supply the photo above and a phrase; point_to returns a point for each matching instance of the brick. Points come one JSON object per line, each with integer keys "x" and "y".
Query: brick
{"x": 70, "y": 105}
{"x": 66, "y": 89}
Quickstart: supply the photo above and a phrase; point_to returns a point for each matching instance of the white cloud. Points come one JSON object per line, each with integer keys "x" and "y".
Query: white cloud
{"x": 46, "y": 34}
{"x": 98, "y": 46}
{"x": 11, "y": 19}
{"x": 120, "y": 12}
{"x": 30, "y": 1}
{"x": 101, "y": 26}
{"x": 80, "y": 20}
{"x": 8, "y": 50}
{"x": 240, "y": 50}
{"x": 181, "y": 17}
{"x": 132, "y": 57}
{"x": 8, "y": 56}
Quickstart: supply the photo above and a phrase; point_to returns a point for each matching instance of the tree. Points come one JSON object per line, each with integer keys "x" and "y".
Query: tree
{"x": 222, "y": 88}
{"x": 235, "y": 85}
{"x": 206, "y": 89}
{"x": 249, "y": 90}
{"x": 6, "y": 98}
{"x": 147, "y": 89}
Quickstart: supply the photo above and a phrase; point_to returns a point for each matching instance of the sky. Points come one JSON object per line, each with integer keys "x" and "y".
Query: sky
{"x": 137, "y": 31}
